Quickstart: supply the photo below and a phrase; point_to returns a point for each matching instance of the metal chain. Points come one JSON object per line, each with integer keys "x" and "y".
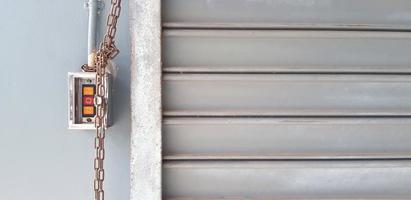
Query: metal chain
{"x": 107, "y": 48}
{"x": 106, "y": 52}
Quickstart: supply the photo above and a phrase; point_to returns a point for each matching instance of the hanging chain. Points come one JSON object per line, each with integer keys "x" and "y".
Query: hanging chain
{"x": 104, "y": 54}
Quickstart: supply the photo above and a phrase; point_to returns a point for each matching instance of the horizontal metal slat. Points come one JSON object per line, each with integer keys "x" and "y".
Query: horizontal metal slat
{"x": 286, "y": 51}
{"x": 297, "y": 198}
{"x": 287, "y": 180}
{"x": 286, "y": 95}
{"x": 286, "y": 138}
{"x": 352, "y": 14}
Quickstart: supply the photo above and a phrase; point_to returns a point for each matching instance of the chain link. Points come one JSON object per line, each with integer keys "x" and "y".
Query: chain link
{"x": 106, "y": 52}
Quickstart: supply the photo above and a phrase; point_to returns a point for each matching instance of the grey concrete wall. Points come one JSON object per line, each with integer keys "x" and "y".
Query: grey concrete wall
{"x": 39, "y": 158}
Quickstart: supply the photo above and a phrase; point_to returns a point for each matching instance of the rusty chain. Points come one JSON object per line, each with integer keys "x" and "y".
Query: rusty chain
{"x": 104, "y": 54}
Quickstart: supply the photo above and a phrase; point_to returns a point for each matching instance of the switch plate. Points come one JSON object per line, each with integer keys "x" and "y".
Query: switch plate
{"x": 81, "y": 106}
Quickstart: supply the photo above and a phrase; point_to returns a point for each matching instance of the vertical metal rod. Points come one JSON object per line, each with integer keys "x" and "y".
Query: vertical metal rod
{"x": 92, "y": 29}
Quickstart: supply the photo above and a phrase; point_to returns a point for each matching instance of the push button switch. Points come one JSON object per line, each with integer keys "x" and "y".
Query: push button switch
{"x": 88, "y": 90}
{"x": 88, "y": 111}
{"x": 88, "y": 100}
{"x": 82, "y": 100}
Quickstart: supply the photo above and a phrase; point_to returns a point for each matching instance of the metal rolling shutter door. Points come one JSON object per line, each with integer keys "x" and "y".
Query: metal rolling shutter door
{"x": 286, "y": 99}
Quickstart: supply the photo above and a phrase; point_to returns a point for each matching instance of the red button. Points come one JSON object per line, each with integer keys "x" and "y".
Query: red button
{"x": 88, "y": 100}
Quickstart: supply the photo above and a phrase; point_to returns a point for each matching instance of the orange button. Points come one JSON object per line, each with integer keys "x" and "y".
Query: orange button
{"x": 88, "y": 110}
{"x": 88, "y": 90}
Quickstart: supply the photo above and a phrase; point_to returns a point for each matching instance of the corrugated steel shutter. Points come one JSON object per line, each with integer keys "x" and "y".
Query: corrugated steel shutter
{"x": 286, "y": 99}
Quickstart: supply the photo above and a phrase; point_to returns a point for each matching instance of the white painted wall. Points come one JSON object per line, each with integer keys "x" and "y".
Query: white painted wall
{"x": 39, "y": 158}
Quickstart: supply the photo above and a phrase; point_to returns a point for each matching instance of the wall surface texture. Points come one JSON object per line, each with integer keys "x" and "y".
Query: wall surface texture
{"x": 39, "y": 157}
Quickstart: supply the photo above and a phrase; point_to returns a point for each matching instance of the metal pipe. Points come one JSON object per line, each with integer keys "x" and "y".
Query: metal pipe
{"x": 92, "y": 29}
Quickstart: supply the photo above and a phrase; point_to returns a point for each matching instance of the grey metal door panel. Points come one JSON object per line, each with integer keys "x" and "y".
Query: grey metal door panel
{"x": 286, "y": 99}
{"x": 286, "y": 95}
{"x": 285, "y": 51}
{"x": 353, "y": 14}
{"x": 288, "y": 179}
{"x": 286, "y": 138}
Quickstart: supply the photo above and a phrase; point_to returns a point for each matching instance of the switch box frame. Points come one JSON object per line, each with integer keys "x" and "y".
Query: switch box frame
{"x": 75, "y": 106}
